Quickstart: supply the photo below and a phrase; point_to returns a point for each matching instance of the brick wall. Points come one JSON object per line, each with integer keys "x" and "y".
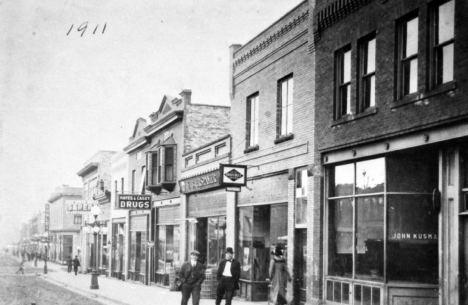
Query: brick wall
{"x": 389, "y": 120}
{"x": 283, "y": 49}
{"x": 204, "y": 124}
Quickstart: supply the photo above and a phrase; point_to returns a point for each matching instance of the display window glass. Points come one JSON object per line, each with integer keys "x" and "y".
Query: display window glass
{"x": 168, "y": 247}
{"x": 260, "y": 229}
{"x": 385, "y": 227}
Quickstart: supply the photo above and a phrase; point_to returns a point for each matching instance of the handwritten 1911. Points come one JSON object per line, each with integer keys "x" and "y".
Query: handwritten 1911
{"x": 84, "y": 26}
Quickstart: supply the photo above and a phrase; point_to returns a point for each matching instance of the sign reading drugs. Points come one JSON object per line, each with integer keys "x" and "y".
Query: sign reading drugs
{"x": 134, "y": 202}
{"x": 233, "y": 175}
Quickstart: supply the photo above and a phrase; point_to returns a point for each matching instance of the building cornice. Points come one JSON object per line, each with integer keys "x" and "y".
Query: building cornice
{"x": 171, "y": 118}
{"x": 90, "y": 167}
{"x": 137, "y": 144}
{"x": 271, "y": 39}
{"x": 57, "y": 196}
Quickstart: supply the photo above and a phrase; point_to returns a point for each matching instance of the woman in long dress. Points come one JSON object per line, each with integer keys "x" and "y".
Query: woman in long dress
{"x": 279, "y": 275}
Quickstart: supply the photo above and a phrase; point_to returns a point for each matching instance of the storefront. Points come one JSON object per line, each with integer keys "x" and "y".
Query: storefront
{"x": 167, "y": 240}
{"x": 262, "y": 211}
{"x": 138, "y": 234}
{"x": 390, "y": 229}
{"x": 118, "y": 248}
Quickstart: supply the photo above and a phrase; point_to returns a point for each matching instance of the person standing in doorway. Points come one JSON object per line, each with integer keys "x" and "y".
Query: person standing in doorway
{"x": 76, "y": 264}
{"x": 69, "y": 264}
{"x": 228, "y": 277}
{"x": 279, "y": 275}
{"x": 191, "y": 275}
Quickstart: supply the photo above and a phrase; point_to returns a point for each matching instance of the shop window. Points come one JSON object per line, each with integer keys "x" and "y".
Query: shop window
{"x": 285, "y": 106}
{"x": 364, "y": 294}
{"x": 443, "y": 16}
{"x": 338, "y": 292}
{"x": 367, "y": 72}
{"x": 104, "y": 252}
{"x": 133, "y": 249}
{"x": 343, "y": 82}
{"x": 168, "y": 248}
{"x": 252, "y": 121}
{"x": 216, "y": 240}
{"x": 408, "y": 31}
{"x": 399, "y": 186}
{"x": 260, "y": 229}
{"x": 301, "y": 197}
{"x": 142, "y": 252}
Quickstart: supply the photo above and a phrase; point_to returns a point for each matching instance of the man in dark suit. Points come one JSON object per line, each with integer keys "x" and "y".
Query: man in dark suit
{"x": 192, "y": 275}
{"x": 228, "y": 277}
{"x": 76, "y": 264}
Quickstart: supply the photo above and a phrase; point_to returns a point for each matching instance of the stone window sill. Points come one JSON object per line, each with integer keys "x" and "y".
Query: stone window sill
{"x": 417, "y": 97}
{"x": 353, "y": 117}
{"x": 251, "y": 149}
{"x": 284, "y": 138}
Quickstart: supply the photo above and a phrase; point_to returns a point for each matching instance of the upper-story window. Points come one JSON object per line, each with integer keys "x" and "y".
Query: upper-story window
{"x": 138, "y": 155}
{"x": 285, "y": 106}
{"x": 133, "y": 180}
{"x": 408, "y": 30}
{"x": 77, "y": 219}
{"x": 343, "y": 82}
{"x": 122, "y": 186}
{"x": 442, "y": 42}
{"x": 162, "y": 165}
{"x": 252, "y": 120}
{"x": 169, "y": 163}
{"x": 367, "y": 73}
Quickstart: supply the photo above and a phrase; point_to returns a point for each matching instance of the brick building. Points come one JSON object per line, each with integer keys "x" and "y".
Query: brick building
{"x": 156, "y": 236}
{"x": 272, "y": 129}
{"x": 96, "y": 176}
{"x": 391, "y": 134}
{"x": 64, "y": 230}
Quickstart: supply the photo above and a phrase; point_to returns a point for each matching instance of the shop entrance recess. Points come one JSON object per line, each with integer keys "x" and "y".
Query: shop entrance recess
{"x": 463, "y": 222}
{"x": 300, "y": 265}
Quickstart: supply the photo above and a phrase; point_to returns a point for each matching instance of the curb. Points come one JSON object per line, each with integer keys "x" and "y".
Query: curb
{"x": 88, "y": 294}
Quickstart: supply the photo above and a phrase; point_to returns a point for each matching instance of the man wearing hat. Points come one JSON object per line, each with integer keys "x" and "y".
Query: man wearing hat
{"x": 192, "y": 275}
{"x": 228, "y": 277}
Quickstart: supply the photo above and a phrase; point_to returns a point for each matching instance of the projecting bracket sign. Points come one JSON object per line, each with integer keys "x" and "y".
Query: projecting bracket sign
{"x": 233, "y": 175}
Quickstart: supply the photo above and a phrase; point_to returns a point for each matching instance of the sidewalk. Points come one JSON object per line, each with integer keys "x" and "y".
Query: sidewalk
{"x": 113, "y": 291}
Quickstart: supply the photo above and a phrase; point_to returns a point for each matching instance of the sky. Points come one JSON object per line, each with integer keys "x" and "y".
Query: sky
{"x": 66, "y": 94}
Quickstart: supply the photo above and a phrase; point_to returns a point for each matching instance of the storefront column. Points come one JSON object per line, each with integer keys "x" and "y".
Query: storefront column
{"x": 231, "y": 222}
{"x": 184, "y": 238}
{"x": 315, "y": 238}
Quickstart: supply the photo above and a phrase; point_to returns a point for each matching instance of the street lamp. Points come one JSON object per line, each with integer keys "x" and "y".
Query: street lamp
{"x": 95, "y": 211}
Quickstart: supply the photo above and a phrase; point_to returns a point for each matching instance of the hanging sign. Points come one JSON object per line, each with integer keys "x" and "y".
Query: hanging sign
{"x": 233, "y": 175}
{"x": 47, "y": 217}
{"x": 133, "y": 202}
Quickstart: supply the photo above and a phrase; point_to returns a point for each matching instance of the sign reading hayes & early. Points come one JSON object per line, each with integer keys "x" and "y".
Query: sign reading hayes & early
{"x": 134, "y": 202}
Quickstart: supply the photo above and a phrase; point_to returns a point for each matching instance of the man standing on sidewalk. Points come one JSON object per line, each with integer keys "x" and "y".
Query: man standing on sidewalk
{"x": 69, "y": 264}
{"x": 76, "y": 264}
{"x": 228, "y": 277}
{"x": 192, "y": 275}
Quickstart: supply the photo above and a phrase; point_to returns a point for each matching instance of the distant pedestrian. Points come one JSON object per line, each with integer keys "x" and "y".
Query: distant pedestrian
{"x": 76, "y": 264}
{"x": 21, "y": 268}
{"x": 69, "y": 264}
{"x": 228, "y": 277}
{"x": 279, "y": 275}
{"x": 192, "y": 275}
